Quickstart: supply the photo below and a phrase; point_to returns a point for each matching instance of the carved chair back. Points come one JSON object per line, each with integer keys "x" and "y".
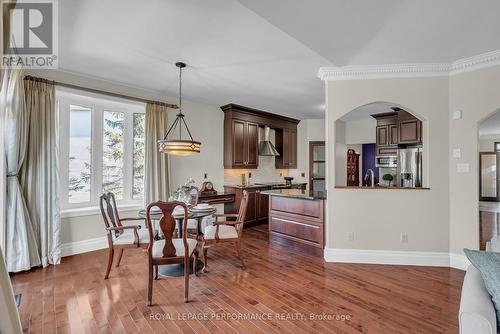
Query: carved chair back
{"x": 109, "y": 211}
{"x": 242, "y": 213}
{"x": 167, "y": 226}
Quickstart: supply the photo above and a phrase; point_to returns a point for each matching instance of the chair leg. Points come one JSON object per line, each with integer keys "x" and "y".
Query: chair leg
{"x": 110, "y": 261}
{"x": 240, "y": 255}
{"x": 186, "y": 279}
{"x": 156, "y": 272}
{"x": 195, "y": 262}
{"x": 204, "y": 250}
{"x": 120, "y": 253}
{"x": 150, "y": 285}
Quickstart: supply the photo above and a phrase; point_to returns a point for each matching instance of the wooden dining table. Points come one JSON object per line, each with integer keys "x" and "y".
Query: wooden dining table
{"x": 178, "y": 269}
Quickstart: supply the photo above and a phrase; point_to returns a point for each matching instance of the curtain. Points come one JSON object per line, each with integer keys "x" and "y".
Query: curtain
{"x": 39, "y": 173}
{"x": 156, "y": 183}
{"x": 32, "y": 205}
{"x": 21, "y": 245}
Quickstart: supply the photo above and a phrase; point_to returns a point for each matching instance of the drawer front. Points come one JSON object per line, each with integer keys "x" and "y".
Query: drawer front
{"x": 220, "y": 200}
{"x": 297, "y": 206}
{"x": 300, "y": 230}
{"x": 389, "y": 150}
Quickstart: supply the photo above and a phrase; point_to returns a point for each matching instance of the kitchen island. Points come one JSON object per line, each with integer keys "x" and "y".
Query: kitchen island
{"x": 296, "y": 218}
{"x": 257, "y": 207}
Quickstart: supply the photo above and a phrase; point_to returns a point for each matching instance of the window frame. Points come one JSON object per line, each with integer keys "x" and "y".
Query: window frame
{"x": 98, "y": 105}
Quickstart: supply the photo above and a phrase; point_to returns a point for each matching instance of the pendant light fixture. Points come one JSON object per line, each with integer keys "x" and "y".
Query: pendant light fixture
{"x": 172, "y": 143}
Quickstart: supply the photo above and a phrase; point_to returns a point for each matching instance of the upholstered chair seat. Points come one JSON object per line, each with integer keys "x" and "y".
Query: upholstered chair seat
{"x": 128, "y": 237}
{"x": 178, "y": 244}
{"x": 225, "y": 232}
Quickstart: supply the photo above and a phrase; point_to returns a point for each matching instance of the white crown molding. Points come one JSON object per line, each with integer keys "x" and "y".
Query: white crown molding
{"x": 474, "y": 63}
{"x": 405, "y": 258}
{"x": 361, "y": 72}
{"x": 383, "y": 71}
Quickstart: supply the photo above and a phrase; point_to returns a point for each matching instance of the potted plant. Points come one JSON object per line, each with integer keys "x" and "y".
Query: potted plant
{"x": 388, "y": 178}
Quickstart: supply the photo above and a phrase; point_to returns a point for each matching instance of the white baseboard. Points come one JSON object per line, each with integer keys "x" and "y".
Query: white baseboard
{"x": 459, "y": 261}
{"x": 83, "y": 246}
{"x": 434, "y": 259}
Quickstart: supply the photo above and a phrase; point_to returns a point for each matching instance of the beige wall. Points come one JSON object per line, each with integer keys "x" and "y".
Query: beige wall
{"x": 378, "y": 217}
{"x": 476, "y": 94}
{"x": 360, "y": 132}
{"x": 488, "y": 144}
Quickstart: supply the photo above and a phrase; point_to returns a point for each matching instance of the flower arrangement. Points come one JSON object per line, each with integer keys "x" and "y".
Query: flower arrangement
{"x": 182, "y": 192}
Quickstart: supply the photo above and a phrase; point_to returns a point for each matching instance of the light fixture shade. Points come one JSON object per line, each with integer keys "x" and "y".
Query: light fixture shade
{"x": 179, "y": 147}
{"x": 171, "y": 144}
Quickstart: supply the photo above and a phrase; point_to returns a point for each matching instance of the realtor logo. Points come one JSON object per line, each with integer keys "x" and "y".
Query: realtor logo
{"x": 30, "y": 31}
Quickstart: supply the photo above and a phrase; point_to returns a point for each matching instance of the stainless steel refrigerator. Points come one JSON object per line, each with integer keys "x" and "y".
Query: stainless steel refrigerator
{"x": 410, "y": 167}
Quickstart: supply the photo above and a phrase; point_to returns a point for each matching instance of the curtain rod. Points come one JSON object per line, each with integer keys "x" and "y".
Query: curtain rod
{"x": 98, "y": 91}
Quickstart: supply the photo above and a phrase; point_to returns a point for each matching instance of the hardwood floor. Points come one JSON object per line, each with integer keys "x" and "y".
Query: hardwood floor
{"x": 74, "y": 298}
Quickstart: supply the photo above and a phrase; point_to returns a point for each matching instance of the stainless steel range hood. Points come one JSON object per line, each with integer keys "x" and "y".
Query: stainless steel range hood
{"x": 265, "y": 146}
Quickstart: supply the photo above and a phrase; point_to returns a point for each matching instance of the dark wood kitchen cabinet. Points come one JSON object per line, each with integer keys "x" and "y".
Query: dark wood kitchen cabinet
{"x": 261, "y": 206}
{"x": 243, "y": 151}
{"x": 258, "y": 203}
{"x": 409, "y": 128}
{"x": 396, "y": 128}
{"x": 286, "y": 144}
{"x": 386, "y": 133}
{"x": 241, "y": 137}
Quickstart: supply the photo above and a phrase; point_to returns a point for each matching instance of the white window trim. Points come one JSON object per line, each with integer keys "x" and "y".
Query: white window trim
{"x": 98, "y": 104}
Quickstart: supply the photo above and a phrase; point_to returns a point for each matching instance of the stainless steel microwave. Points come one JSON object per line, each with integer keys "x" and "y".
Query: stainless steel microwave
{"x": 388, "y": 161}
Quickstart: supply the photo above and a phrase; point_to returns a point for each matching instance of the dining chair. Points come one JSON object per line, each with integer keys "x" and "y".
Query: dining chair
{"x": 226, "y": 231}
{"x": 120, "y": 236}
{"x": 170, "y": 250}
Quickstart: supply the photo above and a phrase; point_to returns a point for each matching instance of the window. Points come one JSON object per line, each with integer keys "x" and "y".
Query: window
{"x": 101, "y": 149}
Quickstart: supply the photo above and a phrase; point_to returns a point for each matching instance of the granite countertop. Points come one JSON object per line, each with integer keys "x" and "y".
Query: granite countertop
{"x": 261, "y": 185}
{"x": 296, "y": 193}
{"x": 377, "y": 187}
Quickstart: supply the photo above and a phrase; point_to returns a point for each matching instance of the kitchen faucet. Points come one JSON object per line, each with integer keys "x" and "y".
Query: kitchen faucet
{"x": 372, "y": 177}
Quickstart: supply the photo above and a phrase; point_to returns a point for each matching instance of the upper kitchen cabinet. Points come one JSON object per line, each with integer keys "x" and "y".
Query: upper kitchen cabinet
{"x": 286, "y": 144}
{"x": 396, "y": 128}
{"x": 409, "y": 128}
{"x": 387, "y": 133}
{"x": 241, "y": 137}
{"x": 242, "y": 148}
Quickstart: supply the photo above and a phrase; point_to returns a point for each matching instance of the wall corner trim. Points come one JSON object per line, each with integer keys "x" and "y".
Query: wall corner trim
{"x": 407, "y": 258}
{"x": 360, "y": 72}
{"x": 83, "y": 246}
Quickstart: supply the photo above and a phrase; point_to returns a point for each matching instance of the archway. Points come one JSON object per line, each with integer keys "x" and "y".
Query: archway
{"x": 381, "y": 144}
{"x": 489, "y": 177}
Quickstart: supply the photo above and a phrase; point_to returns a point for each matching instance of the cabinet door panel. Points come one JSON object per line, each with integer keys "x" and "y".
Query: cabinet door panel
{"x": 409, "y": 131}
{"x": 262, "y": 206}
{"x": 286, "y": 147}
{"x": 252, "y": 145}
{"x": 293, "y": 149}
{"x": 239, "y": 157}
{"x": 251, "y": 214}
{"x": 383, "y": 135}
{"x": 393, "y": 135}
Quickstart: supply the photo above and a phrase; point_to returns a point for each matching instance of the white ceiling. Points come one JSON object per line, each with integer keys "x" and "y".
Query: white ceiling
{"x": 234, "y": 55}
{"x": 367, "y": 32}
{"x": 264, "y": 53}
